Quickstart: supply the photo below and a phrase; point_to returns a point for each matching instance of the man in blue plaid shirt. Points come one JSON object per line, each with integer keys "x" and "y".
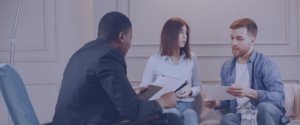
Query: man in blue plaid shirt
{"x": 253, "y": 79}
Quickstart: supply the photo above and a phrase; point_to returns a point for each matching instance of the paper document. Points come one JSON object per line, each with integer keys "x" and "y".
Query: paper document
{"x": 216, "y": 92}
{"x": 169, "y": 84}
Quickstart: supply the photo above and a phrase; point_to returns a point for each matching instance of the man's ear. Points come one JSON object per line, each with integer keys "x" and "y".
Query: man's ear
{"x": 121, "y": 37}
{"x": 253, "y": 40}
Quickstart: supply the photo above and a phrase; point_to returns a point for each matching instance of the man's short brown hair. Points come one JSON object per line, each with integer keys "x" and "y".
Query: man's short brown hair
{"x": 247, "y": 23}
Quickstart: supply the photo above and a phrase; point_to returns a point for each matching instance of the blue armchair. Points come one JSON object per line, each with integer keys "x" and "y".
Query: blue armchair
{"x": 16, "y": 97}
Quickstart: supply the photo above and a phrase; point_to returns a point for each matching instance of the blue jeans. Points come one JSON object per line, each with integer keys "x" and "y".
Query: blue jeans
{"x": 268, "y": 114}
{"x": 186, "y": 112}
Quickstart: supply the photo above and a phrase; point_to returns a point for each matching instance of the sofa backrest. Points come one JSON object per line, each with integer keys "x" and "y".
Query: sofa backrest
{"x": 292, "y": 97}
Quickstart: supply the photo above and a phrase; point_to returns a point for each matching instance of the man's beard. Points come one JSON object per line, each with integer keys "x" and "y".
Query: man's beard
{"x": 241, "y": 52}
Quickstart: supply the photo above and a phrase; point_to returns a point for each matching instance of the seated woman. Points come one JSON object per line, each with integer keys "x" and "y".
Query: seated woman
{"x": 175, "y": 60}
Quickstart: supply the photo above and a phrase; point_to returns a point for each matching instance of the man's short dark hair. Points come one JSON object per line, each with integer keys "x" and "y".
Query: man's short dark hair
{"x": 112, "y": 24}
{"x": 247, "y": 23}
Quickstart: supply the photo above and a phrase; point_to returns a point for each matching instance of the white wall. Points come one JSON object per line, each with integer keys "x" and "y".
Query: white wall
{"x": 50, "y": 31}
{"x": 277, "y": 20}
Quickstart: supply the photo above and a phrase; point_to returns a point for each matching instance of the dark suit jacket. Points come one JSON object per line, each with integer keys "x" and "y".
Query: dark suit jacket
{"x": 95, "y": 89}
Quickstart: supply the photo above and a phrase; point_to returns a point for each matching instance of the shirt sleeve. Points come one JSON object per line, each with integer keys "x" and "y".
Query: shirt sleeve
{"x": 274, "y": 92}
{"x": 149, "y": 73}
{"x": 111, "y": 71}
{"x": 196, "y": 81}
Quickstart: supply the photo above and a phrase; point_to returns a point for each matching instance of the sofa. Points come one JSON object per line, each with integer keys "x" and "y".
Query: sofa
{"x": 212, "y": 117}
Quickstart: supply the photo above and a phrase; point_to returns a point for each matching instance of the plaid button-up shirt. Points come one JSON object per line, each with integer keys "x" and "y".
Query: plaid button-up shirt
{"x": 264, "y": 78}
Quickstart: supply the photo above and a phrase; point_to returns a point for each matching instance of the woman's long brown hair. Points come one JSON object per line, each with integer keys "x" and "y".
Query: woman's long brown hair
{"x": 169, "y": 38}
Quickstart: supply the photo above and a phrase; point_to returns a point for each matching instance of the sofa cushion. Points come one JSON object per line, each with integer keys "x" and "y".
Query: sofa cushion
{"x": 206, "y": 116}
{"x": 294, "y": 122}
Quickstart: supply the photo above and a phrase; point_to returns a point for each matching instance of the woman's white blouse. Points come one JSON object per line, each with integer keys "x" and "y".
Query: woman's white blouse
{"x": 185, "y": 69}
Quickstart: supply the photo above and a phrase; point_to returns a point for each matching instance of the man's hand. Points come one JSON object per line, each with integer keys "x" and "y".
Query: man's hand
{"x": 241, "y": 91}
{"x": 167, "y": 100}
{"x": 185, "y": 93}
{"x": 139, "y": 89}
{"x": 211, "y": 103}
{"x": 238, "y": 90}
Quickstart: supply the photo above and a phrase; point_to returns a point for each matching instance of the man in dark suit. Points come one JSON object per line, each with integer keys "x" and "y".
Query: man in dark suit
{"x": 95, "y": 89}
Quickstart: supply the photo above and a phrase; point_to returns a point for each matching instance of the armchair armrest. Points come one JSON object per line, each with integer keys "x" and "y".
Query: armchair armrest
{"x": 143, "y": 121}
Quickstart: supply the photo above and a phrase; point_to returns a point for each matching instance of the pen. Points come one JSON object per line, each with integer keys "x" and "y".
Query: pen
{"x": 181, "y": 86}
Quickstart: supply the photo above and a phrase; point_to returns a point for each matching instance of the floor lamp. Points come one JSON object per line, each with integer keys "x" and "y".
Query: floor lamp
{"x": 12, "y": 43}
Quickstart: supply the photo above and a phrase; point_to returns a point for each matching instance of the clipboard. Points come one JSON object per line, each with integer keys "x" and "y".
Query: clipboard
{"x": 149, "y": 92}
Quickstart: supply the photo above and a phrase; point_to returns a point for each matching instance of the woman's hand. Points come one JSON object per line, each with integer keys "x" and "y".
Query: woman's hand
{"x": 184, "y": 93}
